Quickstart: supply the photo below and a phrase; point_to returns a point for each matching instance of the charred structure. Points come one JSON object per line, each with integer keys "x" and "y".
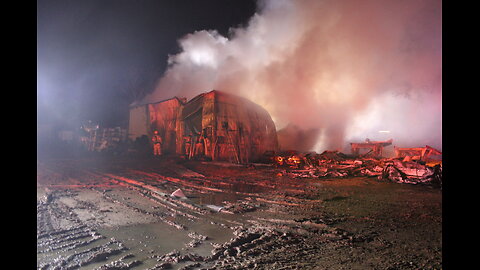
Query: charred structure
{"x": 417, "y": 153}
{"x": 215, "y": 125}
{"x": 375, "y": 148}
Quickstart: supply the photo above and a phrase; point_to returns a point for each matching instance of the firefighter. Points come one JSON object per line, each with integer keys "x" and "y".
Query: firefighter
{"x": 157, "y": 144}
{"x": 188, "y": 144}
{"x": 198, "y": 145}
{"x": 206, "y": 142}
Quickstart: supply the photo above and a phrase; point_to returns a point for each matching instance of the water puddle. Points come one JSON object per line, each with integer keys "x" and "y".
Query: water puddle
{"x": 148, "y": 241}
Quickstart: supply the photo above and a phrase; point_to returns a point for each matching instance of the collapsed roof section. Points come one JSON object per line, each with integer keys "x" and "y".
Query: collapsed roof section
{"x": 423, "y": 153}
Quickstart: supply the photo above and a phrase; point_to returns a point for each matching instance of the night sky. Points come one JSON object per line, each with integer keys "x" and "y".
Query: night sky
{"x": 92, "y": 56}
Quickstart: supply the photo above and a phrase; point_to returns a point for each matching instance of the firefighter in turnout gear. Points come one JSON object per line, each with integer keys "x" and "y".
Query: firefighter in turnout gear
{"x": 157, "y": 144}
{"x": 188, "y": 144}
{"x": 199, "y": 151}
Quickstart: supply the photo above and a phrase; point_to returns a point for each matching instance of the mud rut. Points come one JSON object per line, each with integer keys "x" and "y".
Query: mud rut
{"x": 76, "y": 202}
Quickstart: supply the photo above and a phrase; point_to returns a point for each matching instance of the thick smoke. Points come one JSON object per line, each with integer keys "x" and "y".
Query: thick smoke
{"x": 347, "y": 68}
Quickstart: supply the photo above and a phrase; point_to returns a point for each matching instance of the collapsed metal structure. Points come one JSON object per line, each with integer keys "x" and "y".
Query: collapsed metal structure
{"x": 419, "y": 153}
{"x": 334, "y": 164}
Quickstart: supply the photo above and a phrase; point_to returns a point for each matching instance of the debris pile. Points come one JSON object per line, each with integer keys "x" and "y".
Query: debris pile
{"x": 412, "y": 172}
{"x": 333, "y": 164}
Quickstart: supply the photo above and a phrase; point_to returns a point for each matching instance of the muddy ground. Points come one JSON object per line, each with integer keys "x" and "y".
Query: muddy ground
{"x": 117, "y": 213}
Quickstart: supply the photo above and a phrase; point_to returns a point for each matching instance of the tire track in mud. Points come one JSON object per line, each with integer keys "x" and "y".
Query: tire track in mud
{"x": 261, "y": 197}
{"x": 67, "y": 239}
{"x": 78, "y": 259}
{"x": 149, "y": 181}
{"x": 175, "y": 206}
{"x": 294, "y": 227}
{"x": 250, "y": 248}
{"x": 64, "y": 241}
{"x": 149, "y": 189}
{"x": 259, "y": 244}
{"x": 263, "y": 246}
{"x": 161, "y": 217}
{"x": 188, "y": 182}
{"x": 146, "y": 190}
{"x": 251, "y": 204}
{"x": 158, "y": 194}
{"x": 253, "y": 247}
{"x": 200, "y": 184}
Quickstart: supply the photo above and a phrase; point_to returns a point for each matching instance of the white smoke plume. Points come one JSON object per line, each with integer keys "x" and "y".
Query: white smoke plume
{"x": 346, "y": 67}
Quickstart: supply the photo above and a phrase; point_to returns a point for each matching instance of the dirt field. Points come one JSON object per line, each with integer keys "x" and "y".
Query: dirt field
{"x": 117, "y": 213}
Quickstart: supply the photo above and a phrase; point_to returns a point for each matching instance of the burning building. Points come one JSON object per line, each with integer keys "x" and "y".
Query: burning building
{"x": 215, "y": 124}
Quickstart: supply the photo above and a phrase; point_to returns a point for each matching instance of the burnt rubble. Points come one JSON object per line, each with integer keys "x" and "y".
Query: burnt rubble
{"x": 334, "y": 164}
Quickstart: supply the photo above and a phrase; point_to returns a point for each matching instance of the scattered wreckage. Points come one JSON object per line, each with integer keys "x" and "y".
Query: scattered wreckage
{"x": 334, "y": 164}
